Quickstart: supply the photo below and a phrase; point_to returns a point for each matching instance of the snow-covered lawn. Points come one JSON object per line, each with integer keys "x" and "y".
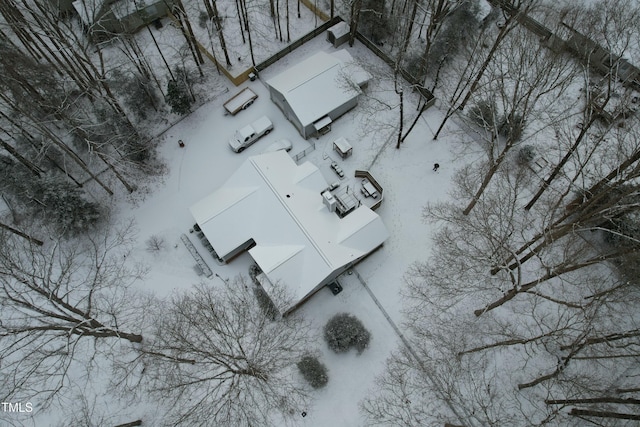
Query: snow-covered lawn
{"x": 406, "y": 175}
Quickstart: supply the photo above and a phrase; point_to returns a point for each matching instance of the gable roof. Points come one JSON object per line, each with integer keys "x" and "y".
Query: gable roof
{"x": 278, "y": 204}
{"x": 319, "y": 84}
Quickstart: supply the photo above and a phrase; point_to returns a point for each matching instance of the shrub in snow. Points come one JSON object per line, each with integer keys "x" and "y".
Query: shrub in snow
{"x": 138, "y": 92}
{"x": 50, "y": 196}
{"x": 313, "y": 371}
{"x": 155, "y": 243}
{"x": 265, "y": 303}
{"x": 345, "y": 331}
{"x": 484, "y": 114}
{"x": 459, "y": 26}
{"x": 65, "y": 205}
{"x": 178, "y": 96}
{"x": 512, "y": 127}
{"x": 526, "y": 155}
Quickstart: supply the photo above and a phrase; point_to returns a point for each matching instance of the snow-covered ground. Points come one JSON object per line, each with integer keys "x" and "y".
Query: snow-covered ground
{"x": 372, "y": 291}
{"x": 206, "y": 161}
{"x": 409, "y": 183}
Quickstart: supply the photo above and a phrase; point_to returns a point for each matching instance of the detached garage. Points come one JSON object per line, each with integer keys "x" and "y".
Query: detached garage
{"x": 315, "y": 92}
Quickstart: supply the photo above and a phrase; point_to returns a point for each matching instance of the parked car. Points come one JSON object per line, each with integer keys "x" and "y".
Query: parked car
{"x": 249, "y": 134}
{"x": 337, "y": 169}
{"x": 281, "y": 144}
{"x": 240, "y": 101}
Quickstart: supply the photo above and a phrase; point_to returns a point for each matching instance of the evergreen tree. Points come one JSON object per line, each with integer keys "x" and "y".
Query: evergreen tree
{"x": 178, "y": 97}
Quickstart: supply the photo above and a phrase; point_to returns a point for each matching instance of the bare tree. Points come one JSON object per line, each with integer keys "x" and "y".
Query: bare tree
{"x": 525, "y": 79}
{"x": 599, "y": 196}
{"x": 63, "y": 304}
{"x": 470, "y": 75}
{"x": 218, "y": 359}
{"x": 68, "y": 54}
{"x": 94, "y": 411}
{"x": 611, "y": 26}
{"x": 214, "y": 16}
{"x": 187, "y": 31}
{"x": 567, "y": 331}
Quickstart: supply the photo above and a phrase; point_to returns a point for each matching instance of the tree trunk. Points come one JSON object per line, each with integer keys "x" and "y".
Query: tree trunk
{"x": 609, "y": 338}
{"x": 287, "y": 17}
{"x": 356, "y": 7}
{"x": 603, "y": 414}
{"x": 401, "y": 118}
{"x": 562, "y": 365}
{"x": 131, "y": 424}
{"x": 19, "y": 25}
{"x": 243, "y": 5}
{"x": 557, "y": 271}
{"x": 588, "y": 210}
{"x": 605, "y": 399}
{"x": 61, "y": 145}
{"x": 187, "y": 32}
{"x": 21, "y": 234}
{"x": 28, "y": 164}
{"x": 31, "y": 140}
{"x": 130, "y": 188}
{"x": 218, "y": 25}
{"x": 239, "y": 11}
{"x": 495, "y": 165}
{"x": 567, "y": 156}
{"x": 164, "y": 60}
{"x": 478, "y": 76}
{"x": 272, "y": 12}
{"x": 435, "y": 22}
{"x": 506, "y": 343}
{"x": 412, "y": 18}
{"x": 278, "y": 20}
{"x": 415, "y": 121}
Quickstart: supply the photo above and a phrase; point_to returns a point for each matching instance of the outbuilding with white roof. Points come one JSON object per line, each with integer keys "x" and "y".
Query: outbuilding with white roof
{"x": 318, "y": 90}
{"x": 103, "y": 18}
{"x": 276, "y": 209}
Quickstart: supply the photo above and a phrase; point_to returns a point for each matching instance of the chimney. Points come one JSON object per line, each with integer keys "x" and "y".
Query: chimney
{"x": 329, "y": 201}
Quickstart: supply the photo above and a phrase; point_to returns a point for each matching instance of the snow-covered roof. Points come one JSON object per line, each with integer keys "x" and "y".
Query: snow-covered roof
{"x": 122, "y": 9}
{"x": 319, "y": 84}
{"x": 91, "y": 11}
{"x": 278, "y": 204}
{"x": 340, "y": 29}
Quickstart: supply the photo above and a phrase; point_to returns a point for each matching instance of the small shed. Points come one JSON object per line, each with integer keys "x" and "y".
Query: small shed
{"x": 342, "y": 147}
{"x": 338, "y": 34}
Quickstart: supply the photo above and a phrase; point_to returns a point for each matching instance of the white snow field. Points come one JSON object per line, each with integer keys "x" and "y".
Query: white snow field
{"x": 406, "y": 175}
{"x": 372, "y": 290}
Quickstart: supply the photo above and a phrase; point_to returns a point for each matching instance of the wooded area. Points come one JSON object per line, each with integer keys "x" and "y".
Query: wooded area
{"x": 525, "y": 314}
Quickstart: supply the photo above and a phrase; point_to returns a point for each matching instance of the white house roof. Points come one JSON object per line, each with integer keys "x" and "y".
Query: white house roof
{"x": 319, "y": 84}
{"x": 92, "y": 10}
{"x": 277, "y": 203}
{"x": 88, "y": 10}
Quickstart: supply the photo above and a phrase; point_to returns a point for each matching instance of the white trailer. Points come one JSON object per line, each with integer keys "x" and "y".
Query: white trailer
{"x": 240, "y": 101}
